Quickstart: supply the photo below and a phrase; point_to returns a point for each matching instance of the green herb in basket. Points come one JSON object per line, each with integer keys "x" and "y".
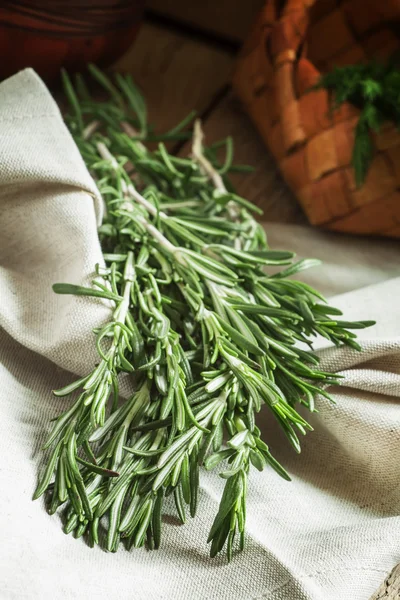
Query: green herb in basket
{"x": 206, "y": 333}
{"x": 374, "y": 88}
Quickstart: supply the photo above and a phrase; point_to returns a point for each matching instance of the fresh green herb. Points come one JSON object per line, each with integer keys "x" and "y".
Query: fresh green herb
{"x": 205, "y": 334}
{"x": 374, "y": 88}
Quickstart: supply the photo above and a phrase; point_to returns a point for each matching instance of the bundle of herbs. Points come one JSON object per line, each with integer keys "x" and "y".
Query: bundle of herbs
{"x": 204, "y": 333}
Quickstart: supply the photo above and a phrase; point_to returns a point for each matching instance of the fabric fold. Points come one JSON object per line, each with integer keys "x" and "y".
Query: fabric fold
{"x": 50, "y": 208}
{"x": 43, "y": 152}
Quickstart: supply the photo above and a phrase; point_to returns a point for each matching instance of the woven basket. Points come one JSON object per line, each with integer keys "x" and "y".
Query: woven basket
{"x": 291, "y": 43}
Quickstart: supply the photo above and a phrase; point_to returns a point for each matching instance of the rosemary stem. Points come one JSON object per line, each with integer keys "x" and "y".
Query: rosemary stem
{"x": 157, "y": 235}
{"x": 90, "y": 129}
{"x": 204, "y": 163}
{"x": 130, "y": 189}
{"x": 145, "y": 203}
{"x": 133, "y": 133}
{"x": 208, "y": 169}
{"x": 106, "y": 155}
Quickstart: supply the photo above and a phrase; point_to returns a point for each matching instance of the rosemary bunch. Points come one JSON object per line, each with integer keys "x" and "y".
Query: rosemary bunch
{"x": 206, "y": 335}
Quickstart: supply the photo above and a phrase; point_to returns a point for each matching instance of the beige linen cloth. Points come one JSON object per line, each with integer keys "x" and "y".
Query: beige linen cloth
{"x": 333, "y": 533}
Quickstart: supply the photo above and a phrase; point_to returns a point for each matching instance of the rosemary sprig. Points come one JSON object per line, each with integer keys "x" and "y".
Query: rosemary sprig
{"x": 206, "y": 335}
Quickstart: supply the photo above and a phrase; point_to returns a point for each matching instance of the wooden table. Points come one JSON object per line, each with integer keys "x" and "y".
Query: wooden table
{"x": 183, "y": 60}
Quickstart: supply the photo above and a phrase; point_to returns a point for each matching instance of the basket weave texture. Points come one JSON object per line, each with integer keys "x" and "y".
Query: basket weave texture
{"x": 290, "y": 45}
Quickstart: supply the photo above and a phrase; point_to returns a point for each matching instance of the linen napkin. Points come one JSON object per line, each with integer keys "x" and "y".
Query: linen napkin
{"x": 333, "y": 533}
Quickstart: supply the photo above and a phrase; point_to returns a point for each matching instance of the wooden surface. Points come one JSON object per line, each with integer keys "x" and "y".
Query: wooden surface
{"x": 228, "y": 19}
{"x": 178, "y": 72}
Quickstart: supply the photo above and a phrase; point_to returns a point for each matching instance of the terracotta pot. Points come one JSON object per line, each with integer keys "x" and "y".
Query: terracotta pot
{"x": 50, "y": 34}
{"x": 290, "y": 45}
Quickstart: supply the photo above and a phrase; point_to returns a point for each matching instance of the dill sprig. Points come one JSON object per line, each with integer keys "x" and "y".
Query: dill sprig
{"x": 205, "y": 333}
{"x": 374, "y": 88}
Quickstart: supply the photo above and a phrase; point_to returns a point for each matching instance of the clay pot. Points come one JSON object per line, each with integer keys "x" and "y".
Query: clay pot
{"x": 49, "y": 34}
